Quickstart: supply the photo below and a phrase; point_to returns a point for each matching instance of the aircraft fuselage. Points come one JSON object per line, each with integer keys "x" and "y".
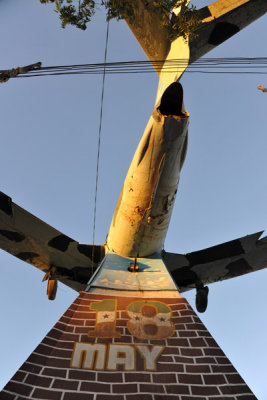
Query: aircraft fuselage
{"x": 144, "y": 208}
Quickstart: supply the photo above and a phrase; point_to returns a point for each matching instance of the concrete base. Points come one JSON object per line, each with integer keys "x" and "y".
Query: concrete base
{"x": 108, "y": 346}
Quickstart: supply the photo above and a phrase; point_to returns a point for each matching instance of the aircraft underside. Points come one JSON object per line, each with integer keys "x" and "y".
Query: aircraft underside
{"x": 130, "y": 335}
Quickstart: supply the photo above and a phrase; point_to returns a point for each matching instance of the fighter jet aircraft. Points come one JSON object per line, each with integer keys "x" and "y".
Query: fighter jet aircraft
{"x": 142, "y": 215}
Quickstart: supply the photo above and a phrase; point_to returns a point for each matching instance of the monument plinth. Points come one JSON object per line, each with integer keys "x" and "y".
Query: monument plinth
{"x": 128, "y": 345}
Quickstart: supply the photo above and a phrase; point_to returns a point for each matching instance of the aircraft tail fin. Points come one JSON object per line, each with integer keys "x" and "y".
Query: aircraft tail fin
{"x": 149, "y": 32}
{"x": 221, "y": 20}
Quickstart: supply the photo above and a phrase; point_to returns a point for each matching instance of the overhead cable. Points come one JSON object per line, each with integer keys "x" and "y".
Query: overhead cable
{"x": 99, "y": 139}
{"x": 235, "y": 65}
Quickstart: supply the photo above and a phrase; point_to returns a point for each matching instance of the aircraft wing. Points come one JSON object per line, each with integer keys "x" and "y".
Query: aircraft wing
{"x": 217, "y": 263}
{"x": 32, "y": 240}
{"x": 221, "y": 20}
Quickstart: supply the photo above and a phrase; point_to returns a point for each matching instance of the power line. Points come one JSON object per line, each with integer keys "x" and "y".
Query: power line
{"x": 235, "y": 65}
{"x": 99, "y": 138}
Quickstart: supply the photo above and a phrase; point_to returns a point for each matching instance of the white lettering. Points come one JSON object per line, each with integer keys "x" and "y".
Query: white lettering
{"x": 95, "y": 356}
{"x": 150, "y": 357}
{"x": 121, "y": 354}
{"x": 88, "y": 356}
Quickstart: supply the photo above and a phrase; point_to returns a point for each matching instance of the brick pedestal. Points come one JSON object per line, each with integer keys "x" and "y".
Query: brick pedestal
{"x": 127, "y": 348}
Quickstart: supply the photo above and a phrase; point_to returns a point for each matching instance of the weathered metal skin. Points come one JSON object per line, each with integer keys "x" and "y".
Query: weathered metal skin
{"x": 144, "y": 209}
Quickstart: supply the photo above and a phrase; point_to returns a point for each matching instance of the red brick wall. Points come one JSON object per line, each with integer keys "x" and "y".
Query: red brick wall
{"x": 191, "y": 366}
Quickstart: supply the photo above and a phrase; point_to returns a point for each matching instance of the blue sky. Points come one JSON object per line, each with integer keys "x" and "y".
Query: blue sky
{"x": 49, "y": 129}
